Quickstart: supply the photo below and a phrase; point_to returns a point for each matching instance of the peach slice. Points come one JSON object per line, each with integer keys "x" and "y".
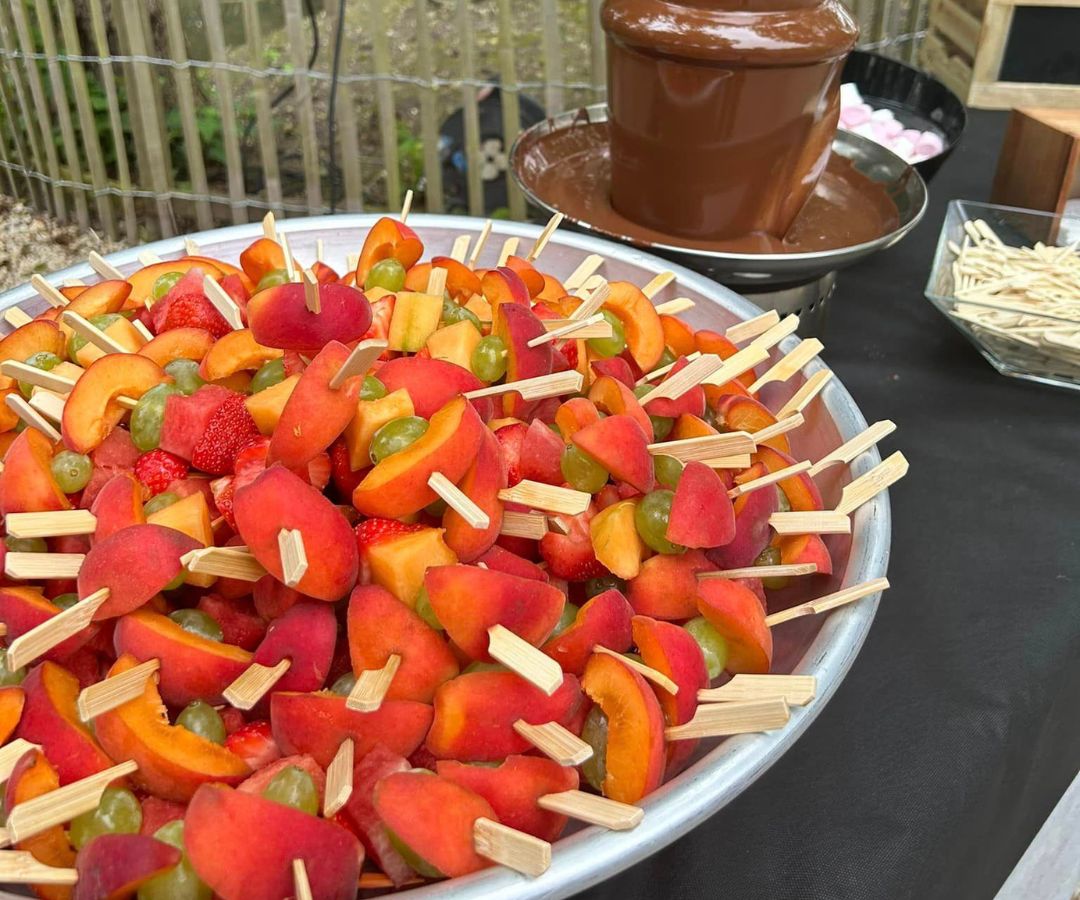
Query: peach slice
{"x": 678, "y": 335}
{"x": 191, "y": 516}
{"x": 804, "y": 548}
{"x": 541, "y": 454}
{"x": 701, "y": 512}
{"x": 398, "y": 562}
{"x": 49, "y": 718}
{"x": 614, "y": 367}
{"x": 431, "y": 821}
{"x": 527, "y": 272}
{"x": 219, "y": 830}
{"x": 316, "y": 724}
{"x": 640, "y": 321}
{"x": 178, "y": 343}
{"x": 398, "y": 485}
{"x": 278, "y": 499}
{"x": 27, "y": 483}
{"x": 23, "y": 608}
{"x": 228, "y": 271}
{"x": 801, "y": 491}
{"x": 513, "y": 789}
{"x": 101, "y": 298}
{"x": 747, "y": 414}
{"x": 620, "y": 446}
{"x": 553, "y": 290}
{"x": 504, "y": 285}
{"x": 636, "y": 753}
{"x": 431, "y": 383}
{"x": 172, "y": 761}
{"x": 114, "y": 865}
{"x": 690, "y": 427}
{"x": 461, "y": 281}
{"x": 667, "y": 586}
{"x": 388, "y": 238}
{"x": 752, "y": 530}
{"x": 315, "y": 413}
{"x": 32, "y": 777}
{"x": 279, "y": 317}
{"x": 118, "y": 505}
{"x": 261, "y": 257}
{"x": 481, "y": 484}
{"x": 614, "y": 398}
{"x": 134, "y": 563}
{"x": 39, "y": 336}
{"x": 12, "y": 701}
{"x": 192, "y": 667}
{"x": 691, "y": 402}
{"x": 468, "y": 600}
{"x": 305, "y": 634}
{"x": 735, "y": 611}
{"x": 502, "y": 560}
{"x": 575, "y": 414}
{"x": 92, "y": 410}
{"x": 235, "y": 352}
{"x": 378, "y": 625}
{"x": 615, "y": 539}
{"x": 603, "y": 620}
{"x": 142, "y": 281}
{"x": 475, "y": 714}
{"x": 517, "y": 325}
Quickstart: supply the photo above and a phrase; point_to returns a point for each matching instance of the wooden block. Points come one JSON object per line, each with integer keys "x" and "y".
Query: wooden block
{"x": 1039, "y": 165}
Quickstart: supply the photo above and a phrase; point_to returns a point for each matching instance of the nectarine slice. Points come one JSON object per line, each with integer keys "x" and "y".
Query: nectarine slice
{"x": 235, "y": 352}
{"x": 27, "y": 483}
{"x": 24, "y": 608}
{"x": 388, "y": 237}
{"x": 481, "y": 484}
{"x": 640, "y": 321}
{"x": 12, "y": 700}
{"x": 701, "y": 512}
{"x": 666, "y": 586}
{"x": 304, "y": 634}
{"x": 119, "y": 504}
{"x": 142, "y": 281}
{"x": 261, "y": 257}
{"x": 113, "y": 866}
{"x": 603, "y": 620}
{"x": 736, "y": 612}
{"x": 279, "y": 317}
{"x": 620, "y": 445}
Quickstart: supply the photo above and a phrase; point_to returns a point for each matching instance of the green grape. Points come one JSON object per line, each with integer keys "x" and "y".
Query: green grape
{"x": 76, "y": 342}
{"x": 273, "y": 278}
{"x": 159, "y": 502}
{"x": 661, "y": 426}
{"x": 388, "y": 274}
{"x": 651, "y": 518}
{"x": 185, "y": 375}
{"x": 71, "y": 471}
{"x": 292, "y": 786}
{"x": 269, "y": 374}
{"x": 344, "y": 685}
{"x": 666, "y": 358}
{"x": 782, "y": 502}
{"x": 594, "y": 733}
{"x": 424, "y": 610}
{"x": 603, "y": 583}
{"x": 396, "y": 435}
{"x": 713, "y": 646}
{"x": 582, "y": 472}
{"x": 65, "y": 601}
{"x": 452, "y": 313}
{"x": 164, "y": 283}
{"x": 488, "y": 360}
{"x": 770, "y": 556}
{"x": 148, "y": 414}
{"x": 198, "y": 622}
{"x": 118, "y": 812}
{"x": 642, "y": 389}
{"x": 613, "y": 345}
{"x": 180, "y": 882}
{"x": 26, "y": 545}
{"x": 372, "y": 389}
{"x": 200, "y": 718}
{"x": 569, "y": 615}
{"x": 44, "y": 361}
{"x": 668, "y": 470}
{"x": 177, "y": 582}
{"x": 7, "y": 677}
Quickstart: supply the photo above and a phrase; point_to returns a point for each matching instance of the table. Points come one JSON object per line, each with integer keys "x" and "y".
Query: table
{"x": 958, "y": 728}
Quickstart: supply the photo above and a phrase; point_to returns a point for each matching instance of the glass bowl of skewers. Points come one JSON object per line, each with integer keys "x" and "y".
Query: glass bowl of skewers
{"x": 476, "y": 563}
{"x": 1009, "y": 280}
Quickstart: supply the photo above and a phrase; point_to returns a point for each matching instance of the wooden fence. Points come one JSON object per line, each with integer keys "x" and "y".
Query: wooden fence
{"x": 154, "y": 117}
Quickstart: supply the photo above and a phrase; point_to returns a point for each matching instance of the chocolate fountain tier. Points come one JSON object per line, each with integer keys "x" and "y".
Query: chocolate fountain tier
{"x": 867, "y": 199}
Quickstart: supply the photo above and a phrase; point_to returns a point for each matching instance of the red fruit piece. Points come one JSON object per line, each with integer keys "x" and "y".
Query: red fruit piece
{"x": 186, "y": 418}
{"x": 512, "y": 438}
{"x": 240, "y": 624}
{"x": 193, "y": 311}
{"x": 571, "y": 556}
{"x": 157, "y": 469}
{"x": 189, "y": 285}
{"x": 541, "y": 454}
{"x": 701, "y": 513}
{"x": 616, "y": 367}
{"x": 341, "y": 473}
{"x": 371, "y": 531}
{"x": 359, "y": 811}
{"x": 254, "y": 743}
{"x": 603, "y": 620}
{"x": 114, "y": 865}
{"x": 620, "y": 445}
{"x": 229, "y": 431}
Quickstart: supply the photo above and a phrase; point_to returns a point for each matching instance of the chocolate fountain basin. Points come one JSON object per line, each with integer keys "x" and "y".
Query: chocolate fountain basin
{"x": 563, "y": 165}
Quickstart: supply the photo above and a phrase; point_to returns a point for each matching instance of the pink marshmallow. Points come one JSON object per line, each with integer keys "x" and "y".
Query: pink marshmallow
{"x": 893, "y": 129}
{"x": 855, "y": 115}
{"x": 911, "y": 135}
{"x": 929, "y": 144}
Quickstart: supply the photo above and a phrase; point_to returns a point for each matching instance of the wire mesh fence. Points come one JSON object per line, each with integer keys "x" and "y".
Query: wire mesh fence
{"x": 145, "y": 118}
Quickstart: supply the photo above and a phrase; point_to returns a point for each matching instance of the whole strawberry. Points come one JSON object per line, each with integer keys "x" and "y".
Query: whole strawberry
{"x": 229, "y": 431}
{"x": 157, "y": 469}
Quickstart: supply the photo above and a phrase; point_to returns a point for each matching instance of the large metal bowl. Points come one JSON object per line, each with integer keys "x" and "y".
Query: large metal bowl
{"x": 823, "y": 646}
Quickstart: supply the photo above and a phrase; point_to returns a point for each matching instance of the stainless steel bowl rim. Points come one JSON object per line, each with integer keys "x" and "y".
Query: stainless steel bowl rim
{"x": 593, "y": 854}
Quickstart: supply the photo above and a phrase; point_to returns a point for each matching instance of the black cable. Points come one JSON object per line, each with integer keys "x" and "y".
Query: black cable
{"x": 331, "y": 124}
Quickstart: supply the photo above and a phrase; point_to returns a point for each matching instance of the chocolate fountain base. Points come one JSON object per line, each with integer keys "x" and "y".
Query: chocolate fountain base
{"x": 869, "y": 202}
{"x": 809, "y": 301}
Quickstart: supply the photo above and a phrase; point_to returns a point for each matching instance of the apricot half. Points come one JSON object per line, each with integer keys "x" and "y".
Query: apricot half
{"x": 27, "y": 483}
{"x": 92, "y": 410}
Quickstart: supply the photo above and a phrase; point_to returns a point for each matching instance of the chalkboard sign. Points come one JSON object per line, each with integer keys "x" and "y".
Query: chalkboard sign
{"x": 1043, "y": 46}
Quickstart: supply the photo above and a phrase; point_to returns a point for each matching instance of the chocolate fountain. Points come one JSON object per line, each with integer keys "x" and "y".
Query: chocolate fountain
{"x": 718, "y": 148}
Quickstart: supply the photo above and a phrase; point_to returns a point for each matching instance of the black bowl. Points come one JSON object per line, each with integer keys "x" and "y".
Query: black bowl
{"x": 918, "y": 100}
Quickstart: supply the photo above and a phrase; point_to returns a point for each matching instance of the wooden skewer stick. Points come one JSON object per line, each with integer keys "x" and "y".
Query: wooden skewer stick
{"x": 778, "y": 571}
{"x": 481, "y": 241}
{"x": 115, "y": 691}
{"x": 738, "y": 461}
{"x": 646, "y": 672}
{"x": 811, "y": 522}
{"x": 722, "y": 719}
{"x": 554, "y": 741}
{"x": 676, "y": 306}
{"x": 585, "y": 269}
{"x": 797, "y": 690}
{"x": 223, "y": 303}
{"x": 339, "y": 779}
{"x": 290, "y": 263}
{"x": 16, "y": 318}
{"x": 789, "y": 364}
{"x": 544, "y": 236}
{"x": 49, "y": 405}
{"x": 40, "y": 639}
{"x": 269, "y": 226}
{"x": 595, "y": 810}
{"x": 574, "y": 327}
{"x": 320, "y": 250}
{"x": 663, "y": 370}
{"x": 658, "y": 282}
{"x": 458, "y": 501}
{"x": 509, "y": 248}
{"x": 18, "y": 405}
{"x": 254, "y": 683}
{"x": 311, "y": 291}
{"x": 868, "y": 486}
{"x": 103, "y": 267}
{"x": 91, "y": 333}
{"x": 359, "y": 361}
{"x": 751, "y": 328}
{"x": 813, "y": 386}
{"x": 52, "y": 296}
{"x": 20, "y": 867}
{"x": 436, "y": 283}
{"x": 28, "y": 566}
{"x": 706, "y": 447}
{"x": 190, "y": 247}
{"x": 778, "y": 332}
{"x": 406, "y": 206}
{"x": 765, "y": 480}
{"x": 691, "y": 375}
{"x": 459, "y": 252}
{"x": 520, "y": 524}
{"x": 554, "y": 385}
{"x": 74, "y": 282}
{"x": 294, "y": 561}
{"x": 790, "y": 423}
{"x": 547, "y": 497}
{"x": 849, "y": 450}
{"x": 50, "y": 381}
{"x": 149, "y": 259}
{"x": 830, "y": 601}
{"x": 50, "y": 524}
{"x": 301, "y": 885}
{"x": 352, "y": 261}
{"x": 593, "y": 303}
{"x": 63, "y": 804}
{"x": 511, "y": 848}
{"x": 521, "y": 657}
{"x": 371, "y": 686}
{"x": 225, "y": 562}
{"x": 144, "y": 332}
{"x": 736, "y": 364}
{"x": 11, "y": 753}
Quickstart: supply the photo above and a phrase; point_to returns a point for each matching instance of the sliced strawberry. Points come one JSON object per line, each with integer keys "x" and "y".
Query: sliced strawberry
{"x": 511, "y": 438}
{"x": 318, "y": 471}
{"x": 254, "y": 743}
{"x": 224, "y": 491}
{"x": 372, "y": 531}
{"x": 157, "y": 469}
{"x": 565, "y": 356}
{"x": 570, "y": 556}
{"x": 382, "y": 311}
{"x": 229, "y": 431}
{"x": 344, "y": 478}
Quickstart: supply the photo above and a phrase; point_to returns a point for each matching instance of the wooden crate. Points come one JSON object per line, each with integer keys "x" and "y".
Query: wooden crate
{"x": 965, "y": 48}
{"x": 1039, "y": 165}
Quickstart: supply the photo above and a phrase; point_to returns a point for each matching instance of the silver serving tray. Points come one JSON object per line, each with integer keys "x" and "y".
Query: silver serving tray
{"x": 823, "y": 646}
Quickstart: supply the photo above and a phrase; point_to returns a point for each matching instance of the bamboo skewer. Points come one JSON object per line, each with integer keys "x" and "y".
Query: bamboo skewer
{"x": 751, "y": 328}
{"x": 339, "y": 779}
{"x": 49, "y": 405}
{"x": 225, "y": 562}
{"x": 460, "y": 250}
{"x": 269, "y": 226}
{"x": 11, "y": 753}
{"x": 789, "y": 423}
{"x": 778, "y": 332}
{"x": 16, "y": 318}
{"x": 28, "y": 566}
{"x": 554, "y": 385}
{"x": 555, "y": 742}
{"x": 142, "y": 329}
{"x": 596, "y": 299}
{"x": 547, "y": 497}
{"x": 509, "y": 248}
{"x": 796, "y": 690}
{"x": 301, "y": 884}
{"x": 543, "y": 238}
{"x": 830, "y": 601}
{"x": 646, "y": 672}
{"x": 868, "y": 486}
{"x": 50, "y": 381}
{"x": 291, "y": 270}
{"x": 811, "y": 522}
{"x": 223, "y": 303}
{"x": 40, "y": 639}
{"x": 789, "y": 364}
{"x": 103, "y": 267}
{"x": 657, "y": 283}
{"x": 511, "y": 848}
{"x": 802, "y": 398}
{"x": 190, "y": 247}
{"x": 115, "y": 691}
{"x": 586, "y": 268}
{"x": 694, "y": 373}
{"x": 458, "y": 501}
{"x": 20, "y": 867}
{"x": 765, "y": 480}
{"x": 50, "y": 524}
{"x": 147, "y": 258}
{"x": 294, "y": 561}
{"x": 406, "y": 206}
{"x": 676, "y": 306}
{"x": 663, "y": 370}
{"x": 481, "y": 241}
{"x": 736, "y": 364}
{"x": 722, "y": 719}
{"x": 595, "y": 810}
{"x": 779, "y": 571}
{"x": 50, "y": 294}
{"x": 858, "y": 445}
{"x": 436, "y": 283}
{"x": 371, "y": 686}
{"x": 595, "y": 324}
{"x": 254, "y": 683}
{"x": 521, "y": 524}
{"x": 523, "y": 658}
{"x": 311, "y": 291}
{"x": 91, "y": 333}
{"x": 709, "y": 446}
{"x": 359, "y": 361}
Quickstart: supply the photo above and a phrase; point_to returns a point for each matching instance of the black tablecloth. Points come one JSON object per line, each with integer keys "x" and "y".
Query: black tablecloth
{"x": 958, "y": 727}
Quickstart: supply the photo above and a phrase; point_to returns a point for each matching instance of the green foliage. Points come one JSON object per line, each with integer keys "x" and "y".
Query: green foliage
{"x": 410, "y": 155}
